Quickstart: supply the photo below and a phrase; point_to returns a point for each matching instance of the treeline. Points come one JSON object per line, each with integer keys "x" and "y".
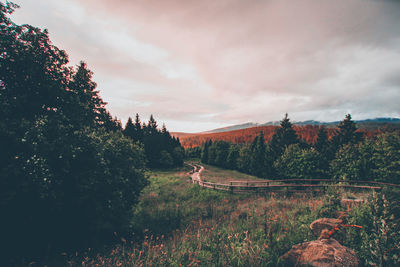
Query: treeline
{"x": 162, "y": 150}
{"x": 307, "y": 133}
{"x": 346, "y": 155}
{"x": 69, "y": 172}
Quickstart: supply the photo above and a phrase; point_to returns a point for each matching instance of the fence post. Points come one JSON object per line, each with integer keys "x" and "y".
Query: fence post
{"x": 231, "y": 188}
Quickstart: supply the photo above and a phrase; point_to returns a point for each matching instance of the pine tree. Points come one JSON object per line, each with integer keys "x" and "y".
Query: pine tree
{"x": 258, "y": 156}
{"x": 204, "y": 153}
{"x": 284, "y": 136}
{"x": 347, "y": 133}
{"x": 129, "y": 128}
{"x": 84, "y": 91}
{"x": 138, "y": 130}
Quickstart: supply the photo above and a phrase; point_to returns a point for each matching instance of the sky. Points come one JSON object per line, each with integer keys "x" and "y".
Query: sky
{"x": 198, "y": 65}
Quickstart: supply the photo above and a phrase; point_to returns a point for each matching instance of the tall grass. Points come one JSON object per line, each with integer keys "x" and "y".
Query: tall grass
{"x": 181, "y": 224}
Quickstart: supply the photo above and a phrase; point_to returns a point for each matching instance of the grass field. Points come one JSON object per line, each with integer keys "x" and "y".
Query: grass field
{"x": 178, "y": 223}
{"x": 218, "y": 175}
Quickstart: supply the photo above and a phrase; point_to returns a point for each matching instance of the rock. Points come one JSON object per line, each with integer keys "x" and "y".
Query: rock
{"x": 321, "y": 253}
{"x": 319, "y": 225}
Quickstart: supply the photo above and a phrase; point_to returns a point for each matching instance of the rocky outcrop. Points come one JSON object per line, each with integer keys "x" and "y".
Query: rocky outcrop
{"x": 321, "y": 253}
{"x": 318, "y": 226}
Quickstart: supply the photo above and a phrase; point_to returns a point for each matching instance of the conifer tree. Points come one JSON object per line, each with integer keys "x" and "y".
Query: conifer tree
{"x": 138, "y": 130}
{"x": 258, "y": 156}
{"x": 284, "y": 136}
{"x": 204, "y": 152}
{"x": 129, "y": 128}
{"x": 347, "y": 133}
{"x": 91, "y": 106}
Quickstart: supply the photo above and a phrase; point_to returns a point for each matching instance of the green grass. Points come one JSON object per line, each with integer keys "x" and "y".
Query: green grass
{"x": 219, "y": 175}
{"x": 180, "y": 224}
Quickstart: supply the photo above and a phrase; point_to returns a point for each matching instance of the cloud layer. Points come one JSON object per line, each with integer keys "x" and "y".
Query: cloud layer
{"x": 202, "y": 64}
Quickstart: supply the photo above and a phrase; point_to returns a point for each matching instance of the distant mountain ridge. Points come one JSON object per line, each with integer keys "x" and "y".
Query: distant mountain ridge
{"x": 367, "y": 123}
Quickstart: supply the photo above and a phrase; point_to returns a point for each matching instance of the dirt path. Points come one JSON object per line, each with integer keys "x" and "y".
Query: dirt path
{"x": 197, "y": 170}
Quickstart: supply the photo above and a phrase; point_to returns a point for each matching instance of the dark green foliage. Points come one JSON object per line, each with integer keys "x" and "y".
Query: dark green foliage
{"x": 284, "y": 136}
{"x": 233, "y": 156}
{"x": 353, "y": 162}
{"x": 243, "y": 162}
{"x": 258, "y": 162}
{"x": 162, "y": 150}
{"x": 300, "y": 163}
{"x": 193, "y": 152}
{"x": 347, "y": 133}
{"x": 386, "y": 158}
{"x": 68, "y": 177}
{"x": 221, "y": 154}
{"x": 204, "y": 152}
{"x": 377, "y": 243}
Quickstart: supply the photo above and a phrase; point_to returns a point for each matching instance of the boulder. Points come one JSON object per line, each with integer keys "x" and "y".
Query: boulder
{"x": 321, "y": 253}
{"x": 318, "y": 226}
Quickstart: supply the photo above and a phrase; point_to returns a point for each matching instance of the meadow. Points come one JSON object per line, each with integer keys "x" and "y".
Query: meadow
{"x": 180, "y": 224}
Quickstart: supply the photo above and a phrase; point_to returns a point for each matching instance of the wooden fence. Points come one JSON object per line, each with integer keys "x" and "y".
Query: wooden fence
{"x": 286, "y": 185}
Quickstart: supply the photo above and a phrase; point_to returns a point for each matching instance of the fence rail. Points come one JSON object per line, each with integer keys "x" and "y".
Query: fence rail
{"x": 288, "y": 185}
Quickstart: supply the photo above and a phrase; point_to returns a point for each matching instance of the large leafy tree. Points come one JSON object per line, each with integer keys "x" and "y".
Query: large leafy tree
{"x": 67, "y": 175}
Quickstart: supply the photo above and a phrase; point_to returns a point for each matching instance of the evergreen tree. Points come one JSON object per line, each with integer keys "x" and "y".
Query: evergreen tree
{"x": 129, "y": 128}
{"x": 91, "y": 106}
{"x": 347, "y": 133}
{"x": 204, "y": 153}
{"x": 258, "y": 164}
{"x": 284, "y": 136}
{"x": 233, "y": 156}
{"x": 138, "y": 131}
{"x": 324, "y": 146}
{"x": 322, "y": 142}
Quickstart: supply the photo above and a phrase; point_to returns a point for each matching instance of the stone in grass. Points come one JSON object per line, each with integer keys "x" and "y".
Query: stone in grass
{"x": 321, "y": 253}
{"x": 319, "y": 225}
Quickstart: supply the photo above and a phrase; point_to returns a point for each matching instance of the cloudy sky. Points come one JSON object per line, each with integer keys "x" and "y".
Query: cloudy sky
{"x": 198, "y": 65}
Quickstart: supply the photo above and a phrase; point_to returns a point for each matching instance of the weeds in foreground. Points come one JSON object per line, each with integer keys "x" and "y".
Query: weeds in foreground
{"x": 184, "y": 225}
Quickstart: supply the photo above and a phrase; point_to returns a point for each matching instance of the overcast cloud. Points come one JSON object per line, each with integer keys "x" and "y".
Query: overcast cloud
{"x": 198, "y": 65}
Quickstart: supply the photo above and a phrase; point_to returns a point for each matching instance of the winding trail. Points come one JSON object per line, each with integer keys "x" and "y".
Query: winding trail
{"x": 197, "y": 170}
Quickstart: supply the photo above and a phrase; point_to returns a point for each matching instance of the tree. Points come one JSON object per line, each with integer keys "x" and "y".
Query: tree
{"x": 322, "y": 142}
{"x": 258, "y": 163}
{"x": 353, "y": 162}
{"x": 204, "y": 153}
{"x": 244, "y": 159}
{"x": 138, "y": 131}
{"x": 233, "y": 156}
{"x": 165, "y": 160}
{"x": 386, "y": 158}
{"x": 129, "y": 130}
{"x": 299, "y": 163}
{"x": 65, "y": 182}
{"x": 83, "y": 91}
{"x": 284, "y": 136}
{"x": 347, "y": 133}
{"x": 221, "y": 153}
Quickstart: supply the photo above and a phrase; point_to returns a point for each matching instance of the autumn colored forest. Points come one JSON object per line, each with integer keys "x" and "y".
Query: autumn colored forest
{"x": 308, "y": 133}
